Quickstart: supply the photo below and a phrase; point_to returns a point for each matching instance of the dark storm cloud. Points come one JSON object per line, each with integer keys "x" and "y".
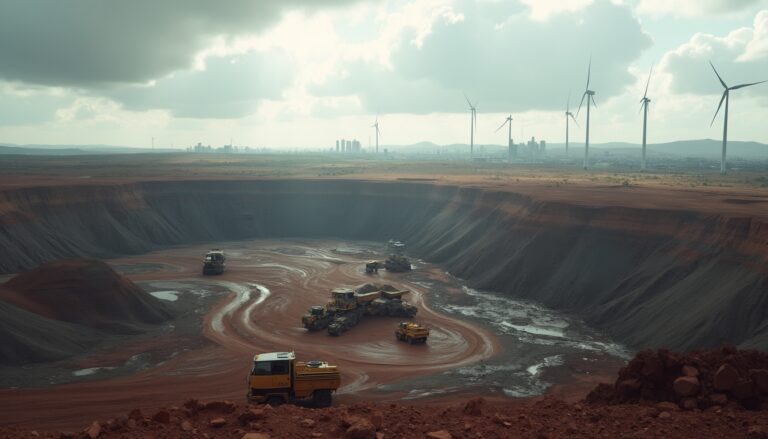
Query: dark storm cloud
{"x": 87, "y": 43}
{"x": 507, "y": 62}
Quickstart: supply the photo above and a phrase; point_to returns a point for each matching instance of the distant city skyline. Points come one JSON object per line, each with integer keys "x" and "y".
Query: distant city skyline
{"x": 302, "y": 74}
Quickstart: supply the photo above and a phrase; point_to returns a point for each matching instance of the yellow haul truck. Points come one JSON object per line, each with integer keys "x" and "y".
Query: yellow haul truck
{"x": 277, "y": 378}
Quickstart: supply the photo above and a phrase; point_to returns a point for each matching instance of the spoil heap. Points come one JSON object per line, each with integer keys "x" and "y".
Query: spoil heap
{"x": 64, "y": 308}
{"x": 699, "y": 379}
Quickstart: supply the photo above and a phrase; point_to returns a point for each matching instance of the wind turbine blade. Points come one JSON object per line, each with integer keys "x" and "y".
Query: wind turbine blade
{"x": 642, "y": 103}
{"x": 568, "y": 105}
{"x": 718, "y": 107}
{"x": 718, "y": 75}
{"x": 589, "y": 71}
{"x": 574, "y": 119}
{"x": 468, "y": 102}
{"x": 593, "y": 101}
{"x": 502, "y": 125}
{"x": 746, "y": 85}
{"x": 580, "y": 103}
{"x": 648, "y": 83}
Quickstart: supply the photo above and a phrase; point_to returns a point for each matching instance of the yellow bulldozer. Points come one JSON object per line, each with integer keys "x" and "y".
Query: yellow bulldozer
{"x": 411, "y": 333}
{"x": 277, "y": 378}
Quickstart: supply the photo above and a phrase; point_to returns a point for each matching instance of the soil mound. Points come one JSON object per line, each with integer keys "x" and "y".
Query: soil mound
{"x": 699, "y": 379}
{"x": 85, "y": 292}
{"x": 26, "y": 337}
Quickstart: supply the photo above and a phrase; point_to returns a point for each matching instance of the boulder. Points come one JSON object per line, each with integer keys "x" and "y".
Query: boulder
{"x": 718, "y": 398}
{"x": 251, "y": 415}
{"x": 136, "y": 415}
{"x": 186, "y": 426}
{"x": 307, "y": 423}
{"x": 686, "y": 386}
{"x": 474, "y": 407}
{"x": 217, "y": 422}
{"x": 725, "y": 377}
{"x": 629, "y": 387}
{"x": 690, "y": 371}
{"x": 689, "y": 403}
{"x": 221, "y": 406}
{"x": 93, "y": 431}
{"x": 667, "y": 406}
{"x": 162, "y": 417}
{"x": 743, "y": 389}
{"x": 760, "y": 378}
{"x": 441, "y": 434}
{"x": 362, "y": 429}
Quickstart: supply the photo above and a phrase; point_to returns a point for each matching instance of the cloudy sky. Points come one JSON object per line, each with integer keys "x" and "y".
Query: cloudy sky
{"x": 302, "y": 73}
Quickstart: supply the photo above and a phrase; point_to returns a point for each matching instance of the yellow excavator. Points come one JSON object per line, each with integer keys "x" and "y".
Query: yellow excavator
{"x": 277, "y": 378}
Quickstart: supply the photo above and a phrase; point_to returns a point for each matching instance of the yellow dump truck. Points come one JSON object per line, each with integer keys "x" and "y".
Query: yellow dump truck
{"x": 277, "y": 378}
{"x": 411, "y": 332}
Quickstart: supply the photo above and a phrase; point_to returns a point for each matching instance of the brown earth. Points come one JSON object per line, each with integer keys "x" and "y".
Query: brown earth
{"x": 475, "y": 418}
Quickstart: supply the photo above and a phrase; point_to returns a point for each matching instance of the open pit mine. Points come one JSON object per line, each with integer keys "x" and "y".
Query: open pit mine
{"x": 535, "y": 298}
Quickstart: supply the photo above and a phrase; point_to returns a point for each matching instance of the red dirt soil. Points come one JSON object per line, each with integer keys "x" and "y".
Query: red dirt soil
{"x": 546, "y": 417}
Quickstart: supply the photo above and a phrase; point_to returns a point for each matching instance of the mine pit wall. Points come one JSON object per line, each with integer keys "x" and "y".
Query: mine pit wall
{"x": 648, "y": 278}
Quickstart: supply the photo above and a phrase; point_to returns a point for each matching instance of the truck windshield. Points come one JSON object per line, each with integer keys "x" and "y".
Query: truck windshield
{"x": 270, "y": 368}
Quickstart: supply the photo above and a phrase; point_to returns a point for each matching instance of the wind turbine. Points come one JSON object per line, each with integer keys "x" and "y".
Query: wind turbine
{"x": 590, "y": 95}
{"x": 644, "y": 107}
{"x": 726, "y": 95}
{"x": 376, "y": 125}
{"x": 508, "y": 120}
{"x": 472, "y": 125}
{"x": 567, "y": 122}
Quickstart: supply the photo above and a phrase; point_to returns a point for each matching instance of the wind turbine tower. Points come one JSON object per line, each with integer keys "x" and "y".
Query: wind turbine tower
{"x": 508, "y": 120}
{"x": 376, "y": 125}
{"x": 590, "y": 95}
{"x": 472, "y": 125}
{"x": 644, "y": 107}
{"x": 567, "y": 122}
{"x": 726, "y": 96}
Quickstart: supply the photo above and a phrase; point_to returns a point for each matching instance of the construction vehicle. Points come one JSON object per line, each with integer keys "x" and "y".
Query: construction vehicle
{"x": 347, "y": 307}
{"x": 214, "y": 262}
{"x": 411, "y": 333}
{"x": 395, "y": 264}
{"x": 277, "y": 378}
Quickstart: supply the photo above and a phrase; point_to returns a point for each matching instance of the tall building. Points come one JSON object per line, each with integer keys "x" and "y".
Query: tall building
{"x": 337, "y": 146}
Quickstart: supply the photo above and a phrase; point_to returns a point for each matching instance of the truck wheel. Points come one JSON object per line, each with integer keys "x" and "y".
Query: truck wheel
{"x": 322, "y": 398}
{"x": 274, "y": 401}
{"x": 409, "y": 339}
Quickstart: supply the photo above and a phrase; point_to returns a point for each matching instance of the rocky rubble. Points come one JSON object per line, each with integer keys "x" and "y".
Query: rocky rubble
{"x": 695, "y": 380}
{"x": 544, "y": 418}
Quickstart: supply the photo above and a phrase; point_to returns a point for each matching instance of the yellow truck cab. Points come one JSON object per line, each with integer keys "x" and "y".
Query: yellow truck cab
{"x": 277, "y": 378}
{"x": 411, "y": 332}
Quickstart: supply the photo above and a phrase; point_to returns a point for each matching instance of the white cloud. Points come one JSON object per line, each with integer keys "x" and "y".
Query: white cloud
{"x": 543, "y": 9}
{"x": 692, "y": 8}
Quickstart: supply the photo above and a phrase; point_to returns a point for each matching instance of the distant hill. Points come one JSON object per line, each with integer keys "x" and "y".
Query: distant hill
{"x": 705, "y": 148}
{"x": 11, "y": 149}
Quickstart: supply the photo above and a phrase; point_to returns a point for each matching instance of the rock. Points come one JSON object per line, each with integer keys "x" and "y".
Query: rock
{"x": 186, "y": 426}
{"x": 757, "y": 431}
{"x": 690, "y": 371}
{"x": 725, "y": 377}
{"x": 221, "y": 406}
{"x": 442, "y": 434}
{"x": 136, "y": 415}
{"x": 316, "y": 434}
{"x": 653, "y": 369}
{"x": 93, "y": 431}
{"x": 131, "y": 424}
{"x": 474, "y": 407}
{"x": 760, "y": 378}
{"x": 667, "y": 406}
{"x": 629, "y": 387}
{"x": 377, "y": 419}
{"x": 689, "y": 403}
{"x": 217, "y": 422}
{"x": 362, "y": 429}
{"x": 742, "y": 390}
{"x": 193, "y": 405}
{"x": 665, "y": 415}
{"x": 162, "y": 416}
{"x": 718, "y": 398}
{"x": 34, "y": 433}
{"x": 307, "y": 423}
{"x": 255, "y": 436}
{"x": 380, "y": 435}
{"x": 686, "y": 386}
{"x": 251, "y": 415}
